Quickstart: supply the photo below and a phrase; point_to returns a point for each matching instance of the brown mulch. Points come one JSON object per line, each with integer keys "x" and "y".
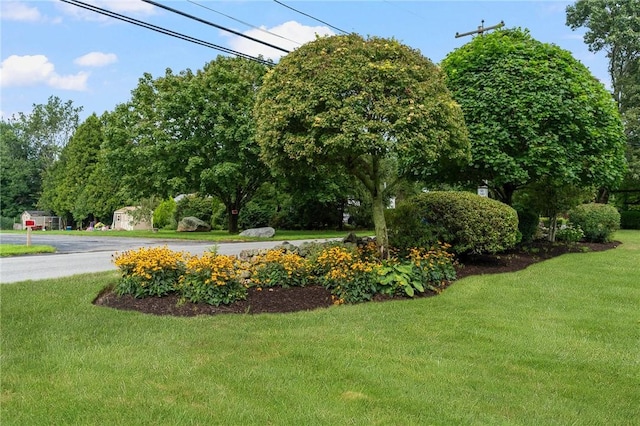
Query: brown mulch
{"x": 278, "y": 300}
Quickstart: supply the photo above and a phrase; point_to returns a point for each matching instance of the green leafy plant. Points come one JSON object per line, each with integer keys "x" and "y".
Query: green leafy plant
{"x": 212, "y": 279}
{"x": 468, "y": 222}
{"x": 150, "y": 271}
{"x": 570, "y": 233}
{"x": 598, "y": 221}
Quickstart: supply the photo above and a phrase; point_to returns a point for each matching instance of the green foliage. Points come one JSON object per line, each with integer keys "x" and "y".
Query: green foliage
{"x": 534, "y": 114}
{"x": 151, "y": 271}
{"x": 630, "y": 219}
{"x": 194, "y": 206}
{"x": 373, "y": 109}
{"x": 423, "y": 269}
{"x": 282, "y": 268}
{"x": 164, "y": 214}
{"x": 528, "y": 221}
{"x": 6, "y": 223}
{"x": 407, "y": 229}
{"x": 570, "y": 233}
{"x": 470, "y": 223}
{"x": 66, "y": 183}
{"x": 213, "y": 279}
{"x": 598, "y": 221}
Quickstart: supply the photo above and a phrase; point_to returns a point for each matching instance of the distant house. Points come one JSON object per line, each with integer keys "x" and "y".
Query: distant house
{"x": 42, "y": 219}
{"x": 123, "y": 220}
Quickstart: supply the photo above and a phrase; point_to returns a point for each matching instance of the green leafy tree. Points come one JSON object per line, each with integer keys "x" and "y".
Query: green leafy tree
{"x": 614, "y": 27}
{"x": 373, "y": 109}
{"x": 534, "y": 114}
{"x": 34, "y": 143}
{"x": 19, "y": 174}
{"x": 69, "y": 177}
{"x": 192, "y": 132}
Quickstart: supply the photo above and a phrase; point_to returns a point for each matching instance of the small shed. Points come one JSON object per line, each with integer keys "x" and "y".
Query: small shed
{"x": 42, "y": 219}
{"x": 123, "y": 220}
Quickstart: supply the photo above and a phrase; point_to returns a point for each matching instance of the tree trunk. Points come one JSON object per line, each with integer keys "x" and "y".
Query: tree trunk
{"x": 232, "y": 214}
{"x": 380, "y": 223}
{"x": 603, "y": 195}
{"x": 553, "y": 227}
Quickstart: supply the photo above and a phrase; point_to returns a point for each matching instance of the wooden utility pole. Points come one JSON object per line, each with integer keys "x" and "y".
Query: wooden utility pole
{"x": 481, "y": 29}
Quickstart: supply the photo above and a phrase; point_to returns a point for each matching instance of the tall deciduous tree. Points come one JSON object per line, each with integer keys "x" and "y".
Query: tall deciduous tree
{"x": 65, "y": 184}
{"x": 36, "y": 140}
{"x": 534, "y": 114}
{"x": 192, "y": 132}
{"x": 613, "y": 26}
{"x": 372, "y": 108}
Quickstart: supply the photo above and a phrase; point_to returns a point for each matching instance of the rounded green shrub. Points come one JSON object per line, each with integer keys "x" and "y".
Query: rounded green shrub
{"x": 598, "y": 221}
{"x": 468, "y": 222}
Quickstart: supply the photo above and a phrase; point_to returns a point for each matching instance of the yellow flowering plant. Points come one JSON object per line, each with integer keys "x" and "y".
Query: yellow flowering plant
{"x": 423, "y": 269}
{"x": 213, "y": 279}
{"x": 349, "y": 278}
{"x": 280, "y": 267}
{"x": 149, "y": 271}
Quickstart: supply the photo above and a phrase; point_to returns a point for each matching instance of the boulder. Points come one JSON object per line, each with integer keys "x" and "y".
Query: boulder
{"x": 266, "y": 232}
{"x": 193, "y": 224}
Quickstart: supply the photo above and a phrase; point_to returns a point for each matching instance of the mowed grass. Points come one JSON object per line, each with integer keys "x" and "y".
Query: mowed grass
{"x": 19, "y": 249}
{"x": 557, "y": 343}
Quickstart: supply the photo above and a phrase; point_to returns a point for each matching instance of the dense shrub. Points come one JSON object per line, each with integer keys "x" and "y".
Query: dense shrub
{"x": 256, "y": 215}
{"x": 407, "y": 229}
{"x": 6, "y": 223}
{"x": 528, "y": 222}
{"x": 163, "y": 215}
{"x": 470, "y": 223}
{"x": 598, "y": 221}
{"x": 630, "y": 219}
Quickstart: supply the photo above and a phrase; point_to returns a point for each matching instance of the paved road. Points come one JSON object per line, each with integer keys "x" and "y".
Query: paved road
{"x": 79, "y": 255}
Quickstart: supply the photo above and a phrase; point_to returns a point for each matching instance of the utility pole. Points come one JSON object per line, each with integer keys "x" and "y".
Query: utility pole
{"x": 481, "y": 29}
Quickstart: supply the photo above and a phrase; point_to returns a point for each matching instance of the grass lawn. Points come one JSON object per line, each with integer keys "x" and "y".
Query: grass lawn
{"x": 18, "y": 249}
{"x": 557, "y": 343}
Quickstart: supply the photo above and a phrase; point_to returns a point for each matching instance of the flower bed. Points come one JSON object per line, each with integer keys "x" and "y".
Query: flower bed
{"x": 352, "y": 274}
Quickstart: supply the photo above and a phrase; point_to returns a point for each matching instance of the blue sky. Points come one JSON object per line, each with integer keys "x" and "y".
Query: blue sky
{"x": 50, "y": 48}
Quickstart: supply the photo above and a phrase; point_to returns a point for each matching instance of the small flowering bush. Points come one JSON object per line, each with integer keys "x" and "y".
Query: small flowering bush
{"x": 570, "y": 233}
{"x": 280, "y": 267}
{"x": 349, "y": 278}
{"x": 423, "y": 269}
{"x": 213, "y": 279}
{"x": 150, "y": 271}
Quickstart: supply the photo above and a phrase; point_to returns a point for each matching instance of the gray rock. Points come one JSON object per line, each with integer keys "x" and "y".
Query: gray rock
{"x": 266, "y": 232}
{"x": 193, "y": 224}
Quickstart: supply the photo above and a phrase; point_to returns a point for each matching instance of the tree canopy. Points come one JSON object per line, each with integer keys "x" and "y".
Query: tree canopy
{"x": 614, "y": 26}
{"x": 534, "y": 114}
{"x": 192, "y": 132}
{"x": 372, "y": 108}
{"x": 31, "y": 143}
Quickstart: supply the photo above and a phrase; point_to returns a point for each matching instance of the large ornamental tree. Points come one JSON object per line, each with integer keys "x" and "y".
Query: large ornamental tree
{"x": 191, "y": 132}
{"x": 534, "y": 114}
{"x": 372, "y": 108}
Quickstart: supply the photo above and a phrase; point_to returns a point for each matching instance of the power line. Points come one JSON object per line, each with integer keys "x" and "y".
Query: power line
{"x": 244, "y": 23}
{"x": 195, "y": 18}
{"x": 164, "y": 31}
{"x": 309, "y": 16}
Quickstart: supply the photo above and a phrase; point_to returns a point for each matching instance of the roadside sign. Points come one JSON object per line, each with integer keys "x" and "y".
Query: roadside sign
{"x": 29, "y": 223}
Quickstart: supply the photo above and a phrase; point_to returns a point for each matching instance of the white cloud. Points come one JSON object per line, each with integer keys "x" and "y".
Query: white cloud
{"x": 17, "y": 11}
{"x": 96, "y": 59}
{"x": 126, "y": 7}
{"x": 31, "y": 70}
{"x": 291, "y": 30}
